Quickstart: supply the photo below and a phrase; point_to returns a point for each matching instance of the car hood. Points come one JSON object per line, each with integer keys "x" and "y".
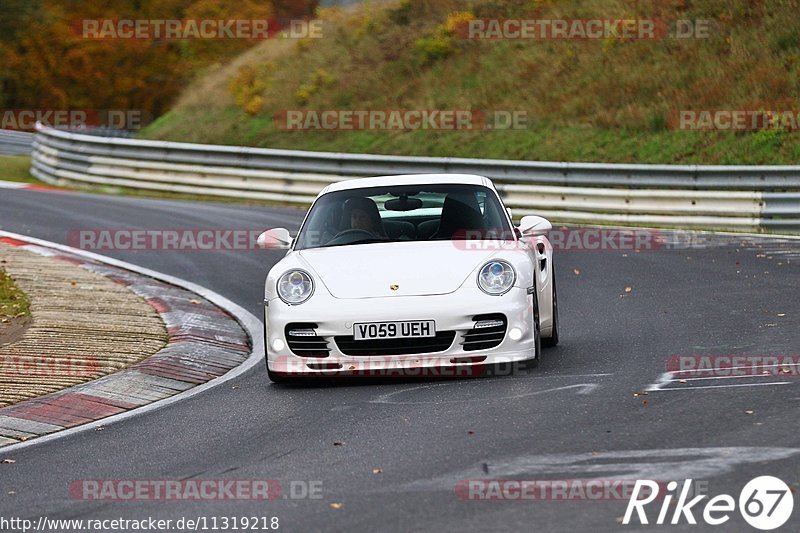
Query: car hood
{"x": 369, "y": 270}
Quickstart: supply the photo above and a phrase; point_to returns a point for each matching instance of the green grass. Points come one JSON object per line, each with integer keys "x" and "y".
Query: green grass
{"x": 13, "y": 302}
{"x": 16, "y": 168}
{"x": 604, "y": 101}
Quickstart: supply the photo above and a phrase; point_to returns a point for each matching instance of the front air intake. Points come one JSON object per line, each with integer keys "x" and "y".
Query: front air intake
{"x": 303, "y": 340}
{"x": 488, "y": 332}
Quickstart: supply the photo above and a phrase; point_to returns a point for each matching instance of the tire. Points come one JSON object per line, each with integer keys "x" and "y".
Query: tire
{"x": 552, "y": 340}
{"x": 533, "y": 363}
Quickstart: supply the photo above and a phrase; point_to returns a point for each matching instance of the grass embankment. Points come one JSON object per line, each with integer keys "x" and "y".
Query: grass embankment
{"x": 16, "y": 168}
{"x": 13, "y": 302}
{"x": 594, "y": 100}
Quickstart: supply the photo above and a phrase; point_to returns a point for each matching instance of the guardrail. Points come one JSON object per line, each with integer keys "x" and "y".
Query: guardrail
{"x": 745, "y": 198}
{"x": 14, "y": 142}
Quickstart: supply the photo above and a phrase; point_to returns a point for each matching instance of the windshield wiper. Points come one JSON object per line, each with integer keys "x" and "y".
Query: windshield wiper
{"x": 361, "y": 241}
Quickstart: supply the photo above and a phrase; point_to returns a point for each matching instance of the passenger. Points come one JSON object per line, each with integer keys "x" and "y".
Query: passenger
{"x": 362, "y": 214}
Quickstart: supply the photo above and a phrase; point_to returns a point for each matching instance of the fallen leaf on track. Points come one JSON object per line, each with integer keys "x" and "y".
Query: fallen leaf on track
{"x": 577, "y": 272}
{"x": 8, "y": 461}
{"x": 377, "y": 471}
{"x": 336, "y": 505}
{"x": 628, "y": 289}
{"x": 749, "y": 412}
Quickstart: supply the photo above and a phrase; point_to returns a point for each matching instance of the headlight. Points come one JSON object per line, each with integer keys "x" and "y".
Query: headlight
{"x": 496, "y": 278}
{"x": 295, "y": 287}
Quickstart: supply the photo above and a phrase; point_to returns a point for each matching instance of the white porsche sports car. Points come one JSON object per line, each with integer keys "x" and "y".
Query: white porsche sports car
{"x": 408, "y": 275}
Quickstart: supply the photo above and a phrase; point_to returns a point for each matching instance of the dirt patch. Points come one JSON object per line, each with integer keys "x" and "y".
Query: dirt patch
{"x": 12, "y": 329}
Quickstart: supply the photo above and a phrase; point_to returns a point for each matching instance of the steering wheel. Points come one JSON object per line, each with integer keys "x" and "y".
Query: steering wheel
{"x": 351, "y": 233}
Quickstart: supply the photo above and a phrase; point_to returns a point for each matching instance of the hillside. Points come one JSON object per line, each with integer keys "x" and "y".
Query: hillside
{"x": 610, "y": 99}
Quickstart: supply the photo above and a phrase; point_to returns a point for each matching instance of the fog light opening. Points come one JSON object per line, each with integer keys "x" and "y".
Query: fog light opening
{"x": 278, "y": 345}
{"x": 302, "y": 333}
{"x": 515, "y": 334}
{"x": 480, "y": 324}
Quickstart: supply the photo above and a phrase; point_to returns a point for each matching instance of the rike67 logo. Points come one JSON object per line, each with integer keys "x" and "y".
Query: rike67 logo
{"x": 765, "y": 503}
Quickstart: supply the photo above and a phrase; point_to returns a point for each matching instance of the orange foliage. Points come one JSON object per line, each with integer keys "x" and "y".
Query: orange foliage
{"x": 45, "y": 63}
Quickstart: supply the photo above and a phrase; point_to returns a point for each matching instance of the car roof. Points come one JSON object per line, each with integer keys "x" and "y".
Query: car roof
{"x": 408, "y": 179}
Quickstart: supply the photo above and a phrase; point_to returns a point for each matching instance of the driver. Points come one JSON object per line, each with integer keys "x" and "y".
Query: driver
{"x": 362, "y": 214}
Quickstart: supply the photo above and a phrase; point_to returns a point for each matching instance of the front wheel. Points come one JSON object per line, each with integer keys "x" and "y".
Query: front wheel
{"x": 537, "y": 338}
{"x": 552, "y": 340}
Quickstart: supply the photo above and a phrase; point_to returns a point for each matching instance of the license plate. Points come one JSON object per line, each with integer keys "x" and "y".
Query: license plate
{"x": 394, "y": 330}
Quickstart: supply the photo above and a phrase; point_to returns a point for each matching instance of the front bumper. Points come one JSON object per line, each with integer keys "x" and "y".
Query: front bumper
{"x": 451, "y": 312}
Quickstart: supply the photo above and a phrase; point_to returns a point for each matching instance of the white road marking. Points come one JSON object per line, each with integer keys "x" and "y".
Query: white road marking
{"x": 677, "y": 376}
{"x": 726, "y": 386}
{"x": 552, "y": 376}
{"x": 656, "y": 464}
{"x": 585, "y": 388}
{"x": 13, "y": 185}
{"x": 691, "y": 370}
{"x": 762, "y": 376}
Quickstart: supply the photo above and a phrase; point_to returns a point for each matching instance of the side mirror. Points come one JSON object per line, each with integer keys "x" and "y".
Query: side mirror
{"x": 531, "y": 226}
{"x": 275, "y": 239}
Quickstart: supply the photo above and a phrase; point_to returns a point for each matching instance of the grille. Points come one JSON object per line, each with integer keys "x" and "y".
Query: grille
{"x": 306, "y": 345}
{"x": 485, "y": 338}
{"x": 441, "y": 342}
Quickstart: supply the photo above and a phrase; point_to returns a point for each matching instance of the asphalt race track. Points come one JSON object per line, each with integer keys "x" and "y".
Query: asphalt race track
{"x": 580, "y": 415}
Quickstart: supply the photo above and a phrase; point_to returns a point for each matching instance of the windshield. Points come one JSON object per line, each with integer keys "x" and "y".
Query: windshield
{"x": 404, "y": 213}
